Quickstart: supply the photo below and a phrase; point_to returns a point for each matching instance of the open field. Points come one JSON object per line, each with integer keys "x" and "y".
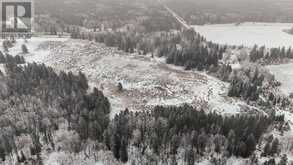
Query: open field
{"x": 248, "y": 34}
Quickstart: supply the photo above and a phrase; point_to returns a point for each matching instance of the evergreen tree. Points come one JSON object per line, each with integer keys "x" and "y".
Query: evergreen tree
{"x": 115, "y": 145}
{"x": 232, "y": 142}
{"x": 284, "y": 160}
{"x": 2, "y": 153}
{"x": 120, "y": 87}
{"x": 2, "y": 58}
{"x": 250, "y": 143}
{"x": 24, "y": 49}
{"x": 123, "y": 151}
{"x": 202, "y": 139}
{"x": 270, "y": 162}
{"x": 275, "y": 147}
{"x": 5, "y": 47}
{"x": 267, "y": 149}
{"x": 190, "y": 156}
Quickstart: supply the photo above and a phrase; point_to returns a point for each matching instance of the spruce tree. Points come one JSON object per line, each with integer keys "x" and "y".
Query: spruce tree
{"x": 123, "y": 151}
{"x": 250, "y": 143}
{"x": 267, "y": 149}
{"x": 275, "y": 147}
{"x": 284, "y": 160}
{"x": 24, "y": 49}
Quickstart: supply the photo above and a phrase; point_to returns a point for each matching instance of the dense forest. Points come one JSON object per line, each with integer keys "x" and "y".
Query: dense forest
{"x": 232, "y": 11}
{"x": 187, "y": 48}
{"x": 100, "y": 14}
{"x": 184, "y": 131}
{"x": 270, "y": 56}
{"x": 194, "y": 12}
{"x": 35, "y": 101}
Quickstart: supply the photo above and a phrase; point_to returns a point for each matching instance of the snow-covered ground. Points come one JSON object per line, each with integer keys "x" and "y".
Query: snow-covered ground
{"x": 147, "y": 81}
{"x": 248, "y": 34}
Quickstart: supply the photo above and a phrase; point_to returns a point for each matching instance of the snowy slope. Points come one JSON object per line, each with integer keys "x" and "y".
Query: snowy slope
{"x": 248, "y": 34}
{"x": 147, "y": 81}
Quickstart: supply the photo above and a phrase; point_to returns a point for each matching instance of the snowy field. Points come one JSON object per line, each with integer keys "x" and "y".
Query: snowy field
{"x": 248, "y": 34}
{"x": 147, "y": 81}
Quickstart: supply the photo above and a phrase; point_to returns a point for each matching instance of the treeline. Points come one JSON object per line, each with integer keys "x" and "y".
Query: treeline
{"x": 205, "y": 12}
{"x": 110, "y": 15}
{"x": 158, "y": 19}
{"x": 187, "y": 48}
{"x": 207, "y": 17}
{"x": 170, "y": 131}
{"x": 270, "y": 56}
{"x": 9, "y": 43}
{"x": 191, "y": 50}
{"x": 11, "y": 59}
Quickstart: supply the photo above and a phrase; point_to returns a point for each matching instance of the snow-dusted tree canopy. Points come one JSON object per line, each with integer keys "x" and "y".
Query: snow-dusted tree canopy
{"x": 143, "y": 82}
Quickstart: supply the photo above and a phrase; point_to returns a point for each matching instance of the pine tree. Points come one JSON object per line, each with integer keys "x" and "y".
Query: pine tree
{"x": 267, "y": 149}
{"x": 231, "y": 142}
{"x": 242, "y": 149}
{"x": 2, "y": 58}
{"x": 107, "y": 139}
{"x": 270, "y": 162}
{"x": 120, "y": 87}
{"x": 5, "y": 47}
{"x": 24, "y": 49}
{"x": 174, "y": 144}
{"x": 2, "y": 153}
{"x": 123, "y": 151}
{"x": 190, "y": 156}
{"x": 218, "y": 143}
{"x": 115, "y": 145}
{"x": 202, "y": 139}
{"x": 275, "y": 147}
{"x": 250, "y": 143}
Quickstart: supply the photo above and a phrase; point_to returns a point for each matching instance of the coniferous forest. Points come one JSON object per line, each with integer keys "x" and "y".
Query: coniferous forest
{"x": 35, "y": 100}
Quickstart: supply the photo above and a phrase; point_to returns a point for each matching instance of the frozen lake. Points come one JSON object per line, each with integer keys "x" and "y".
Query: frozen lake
{"x": 248, "y": 34}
